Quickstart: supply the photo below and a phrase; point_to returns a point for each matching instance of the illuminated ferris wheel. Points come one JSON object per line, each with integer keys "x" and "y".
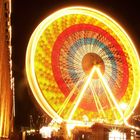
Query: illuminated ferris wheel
{"x": 80, "y": 62}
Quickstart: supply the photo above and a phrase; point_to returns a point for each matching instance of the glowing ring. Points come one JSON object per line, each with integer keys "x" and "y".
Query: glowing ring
{"x": 50, "y": 67}
{"x": 56, "y": 58}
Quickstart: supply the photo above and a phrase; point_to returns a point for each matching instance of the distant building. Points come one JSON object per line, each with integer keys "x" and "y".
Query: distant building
{"x": 6, "y": 79}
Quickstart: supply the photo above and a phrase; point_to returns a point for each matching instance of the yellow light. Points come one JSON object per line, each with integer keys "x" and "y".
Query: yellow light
{"x": 69, "y": 129}
{"x": 78, "y": 99}
{"x": 46, "y": 132}
{"x": 117, "y": 135}
{"x": 97, "y": 101}
{"x": 123, "y": 106}
{"x": 68, "y": 98}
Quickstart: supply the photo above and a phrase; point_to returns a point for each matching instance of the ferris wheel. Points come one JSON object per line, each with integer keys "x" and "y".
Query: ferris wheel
{"x": 80, "y": 62}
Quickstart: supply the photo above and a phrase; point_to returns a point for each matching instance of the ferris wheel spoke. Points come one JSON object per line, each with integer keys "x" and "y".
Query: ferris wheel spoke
{"x": 111, "y": 68}
{"x": 82, "y": 51}
{"x": 79, "y": 54}
{"x": 110, "y": 102}
{"x": 72, "y": 58}
{"x": 112, "y": 80}
{"x": 75, "y": 60}
{"x": 75, "y": 56}
{"x": 108, "y": 90}
{"x": 69, "y": 97}
{"x": 108, "y": 57}
{"x": 75, "y": 68}
{"x": 70, "y": 65}
{"x": 81, "y": 93}
{"x": 101, "y": 53}
{"x": 73, "y": 76}
{"x": 97, "y": 101}
{"x": 87, "y": 48}
{"x": 95, "y": 48}
{"x": 110, "y": 74}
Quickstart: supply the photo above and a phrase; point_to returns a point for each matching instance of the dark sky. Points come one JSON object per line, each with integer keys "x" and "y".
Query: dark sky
{"x": 27, "y": 14}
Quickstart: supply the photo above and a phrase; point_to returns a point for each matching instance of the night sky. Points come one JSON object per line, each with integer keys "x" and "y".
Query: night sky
{"x": 27, "y": 14}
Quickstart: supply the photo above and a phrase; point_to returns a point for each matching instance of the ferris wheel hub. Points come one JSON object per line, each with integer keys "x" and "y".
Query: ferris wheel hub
{"x": 91, "y": 60}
